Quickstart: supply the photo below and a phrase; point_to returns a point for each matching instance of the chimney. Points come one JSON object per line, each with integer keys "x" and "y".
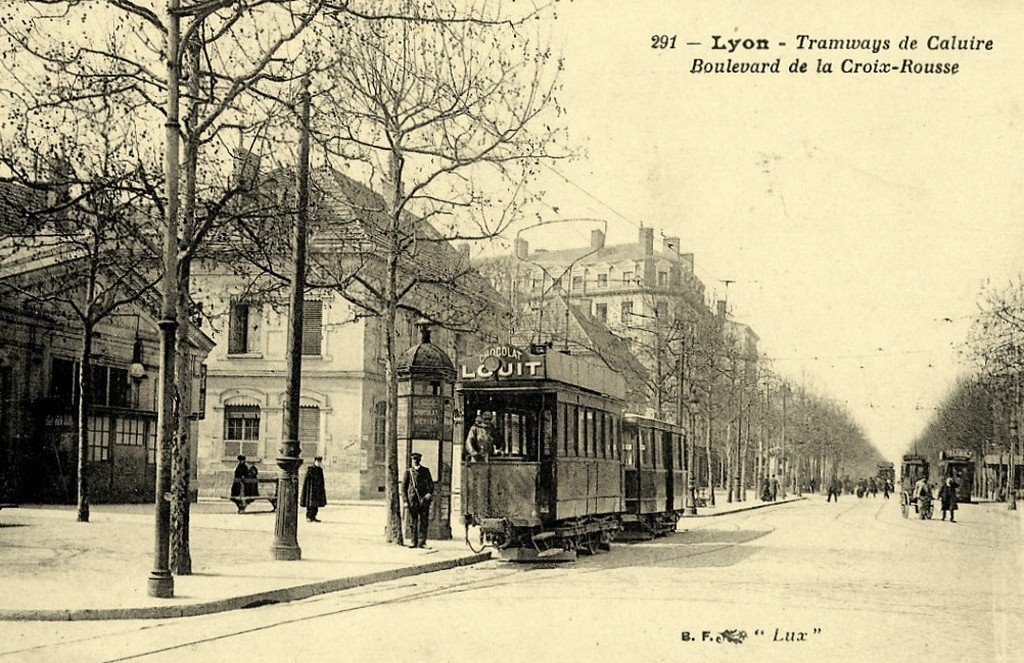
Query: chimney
{"x": 647, "y": 241}
{"x": 522, "y": 248}
{"x": 670, "y": 245}
{"x": 721, "y": 308}
{"x": 596, "y": 239}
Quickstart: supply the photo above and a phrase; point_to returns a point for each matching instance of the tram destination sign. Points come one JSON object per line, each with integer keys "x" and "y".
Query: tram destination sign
{"x": 502, "y": 361}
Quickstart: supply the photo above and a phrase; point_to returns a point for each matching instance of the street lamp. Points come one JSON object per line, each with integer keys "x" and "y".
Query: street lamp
{"x": 693, "y": 405}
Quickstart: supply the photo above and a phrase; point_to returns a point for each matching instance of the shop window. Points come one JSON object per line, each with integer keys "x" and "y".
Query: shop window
{"x": 99, "y": 430}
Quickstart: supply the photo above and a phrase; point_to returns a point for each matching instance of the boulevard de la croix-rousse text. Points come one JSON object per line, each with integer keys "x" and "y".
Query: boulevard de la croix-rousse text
{"x": 934, "y": 54}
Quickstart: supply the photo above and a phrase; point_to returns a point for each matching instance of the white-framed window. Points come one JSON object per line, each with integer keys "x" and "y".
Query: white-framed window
{"x": 241, "y": 430}
{"x": 662, "y": 279}
{"x": 309, "y": 432}
{"x": 626, "y": 311}
{"x": 601, "y": 312}
{"x": 602, "y": 280}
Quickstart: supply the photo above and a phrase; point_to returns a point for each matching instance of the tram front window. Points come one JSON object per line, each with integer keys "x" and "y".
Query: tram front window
{"x": 502, "y": 433}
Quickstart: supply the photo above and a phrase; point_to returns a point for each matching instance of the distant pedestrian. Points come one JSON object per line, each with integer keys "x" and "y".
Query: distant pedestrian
{"x": 922, "y": 492}
{"x": 873, "y": 487}
{"x": 834, "y": 488}
{"x": 238, "y": 484}
{"x": 775, "y": 488}
{"x": 314, "y": 491}
{"x": 947, "y": 495}
{"x": 887, "y": 488}
{"x": 766, "y": 490}
{"x": 417, "y": 491}
{"x": 480, "y": 439}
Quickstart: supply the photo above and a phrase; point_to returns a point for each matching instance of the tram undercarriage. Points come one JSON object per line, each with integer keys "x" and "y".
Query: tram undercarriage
{"x": 562, "y": 541}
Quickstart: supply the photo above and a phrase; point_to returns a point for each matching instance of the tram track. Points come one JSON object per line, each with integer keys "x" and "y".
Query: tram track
{"x": 508, "y": 577}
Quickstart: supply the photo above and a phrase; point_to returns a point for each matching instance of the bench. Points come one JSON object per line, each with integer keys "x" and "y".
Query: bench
{"x": 265, "y": 493}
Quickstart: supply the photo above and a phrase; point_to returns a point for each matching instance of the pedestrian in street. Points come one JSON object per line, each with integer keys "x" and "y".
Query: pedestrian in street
{"x": 873, "y": 487}
{"x": 314, "y": 491}
{"x": 766, "y": 490}
{"x": 947, "y": 496}
{"x": 775, "y": 487}
{"x": 834, "y": 488}
{"x": 922, "y": 491}
{"x": 238, "y": 484}
{"x": 417, "y": 491}
{"x": 480, "y": 439}
{"x": 887, "y": 488}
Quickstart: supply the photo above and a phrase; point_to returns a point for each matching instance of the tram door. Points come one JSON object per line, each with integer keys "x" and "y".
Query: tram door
{"x": 668, "y": 466}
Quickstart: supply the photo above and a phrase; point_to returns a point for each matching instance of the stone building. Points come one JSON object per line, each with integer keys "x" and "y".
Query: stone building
{"x": 343, "y": 391}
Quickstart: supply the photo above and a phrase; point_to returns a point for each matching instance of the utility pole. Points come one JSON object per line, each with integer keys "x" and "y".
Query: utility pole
{"x": 286, "y": 522}
{"x": 161, "y": 583}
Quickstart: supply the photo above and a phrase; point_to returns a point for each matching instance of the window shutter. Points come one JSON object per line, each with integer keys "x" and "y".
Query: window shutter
{"x": 312, "y": 326}
{"x": 238, "y": 328}
{"x": 309, "y": 431}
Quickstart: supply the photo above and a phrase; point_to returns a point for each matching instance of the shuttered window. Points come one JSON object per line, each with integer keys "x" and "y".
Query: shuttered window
{"x": 312, "y": 326}
{"x": 238, "y": 328}
{"x": 309, "y": 432}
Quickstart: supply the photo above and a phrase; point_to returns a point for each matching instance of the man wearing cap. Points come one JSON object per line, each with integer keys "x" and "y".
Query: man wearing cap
{"x": 314, "y": 492}
{"x": 480, "y": 440}
{"x": 238, "y": 484}
{"x": 417, "y": 490}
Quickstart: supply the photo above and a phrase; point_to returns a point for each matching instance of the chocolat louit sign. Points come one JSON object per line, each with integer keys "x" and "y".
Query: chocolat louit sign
{"x": 502, "y": 361}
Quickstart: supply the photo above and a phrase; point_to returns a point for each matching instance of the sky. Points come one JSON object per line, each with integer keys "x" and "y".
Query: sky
{"x": 858, "y": 215}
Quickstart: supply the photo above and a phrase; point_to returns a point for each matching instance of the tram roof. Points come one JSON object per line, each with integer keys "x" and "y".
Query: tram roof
{"x": 584, "y": 372}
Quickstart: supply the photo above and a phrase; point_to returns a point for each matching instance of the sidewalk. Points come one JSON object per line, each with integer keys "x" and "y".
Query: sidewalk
{"x": 723, "y": 507}
{"x": 53, "y": 568}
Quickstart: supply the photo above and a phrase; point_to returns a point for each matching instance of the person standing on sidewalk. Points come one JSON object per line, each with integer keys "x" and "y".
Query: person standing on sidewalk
{"x": 238, "y": 484}
{"x": 314, "y": 491}
{"x": 417, "y": 490}
{"x": 947, "y": 495}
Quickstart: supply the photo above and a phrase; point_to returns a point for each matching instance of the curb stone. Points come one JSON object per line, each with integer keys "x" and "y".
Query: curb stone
{"x": 256, "y": 600}
{"x": 764, "y": 505}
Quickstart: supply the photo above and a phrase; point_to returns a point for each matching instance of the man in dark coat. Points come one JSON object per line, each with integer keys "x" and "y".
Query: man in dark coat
{"x": 480, "y": 439}
{"x": 417, "y": 490}
{"x": 834, "y": 488}
{"x": 238, "y": 484}
{"x": 947, "y": 495}
{"x": 314, "y": 492}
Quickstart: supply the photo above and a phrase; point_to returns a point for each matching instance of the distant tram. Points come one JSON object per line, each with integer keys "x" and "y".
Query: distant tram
{"x": 887, "y": 471}
{"x": 913, "y": 469}
{"x": 959, "y": 465}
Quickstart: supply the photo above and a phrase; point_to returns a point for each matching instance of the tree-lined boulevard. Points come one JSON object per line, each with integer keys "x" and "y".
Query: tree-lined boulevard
{"x": 804, "y": 581}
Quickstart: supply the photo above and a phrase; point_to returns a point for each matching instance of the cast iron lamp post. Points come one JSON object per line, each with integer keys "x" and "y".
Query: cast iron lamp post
{"x": 693, "y": 405}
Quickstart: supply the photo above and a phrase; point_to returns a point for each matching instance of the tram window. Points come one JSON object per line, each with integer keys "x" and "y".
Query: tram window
{"x": 602, "y": 448}
{"x": 645, "y": 447}
{"x": 547, "y": 436}
{"x": 581, "y": 432}
{"x": 563, "y": 424}
{"x": 628, "y": 448}
{"x": 591, "y": 446}
{"x": 516, "y": 435}
{"x": 574, "y": 438}
{"x": 614, "y": 436}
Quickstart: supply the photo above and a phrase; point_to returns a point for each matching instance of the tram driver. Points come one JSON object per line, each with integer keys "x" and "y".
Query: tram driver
{"x": 480, "y": 440}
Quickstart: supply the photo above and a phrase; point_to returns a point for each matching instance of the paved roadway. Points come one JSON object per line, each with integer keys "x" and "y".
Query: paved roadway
{"x": 809, "y": 581}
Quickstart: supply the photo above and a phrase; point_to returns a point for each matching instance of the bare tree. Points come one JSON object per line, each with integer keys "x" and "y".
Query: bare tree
{"x": 441, "y": 110}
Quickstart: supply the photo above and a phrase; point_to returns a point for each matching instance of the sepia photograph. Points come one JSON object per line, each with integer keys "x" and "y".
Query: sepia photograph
{"x": 571, "y": 330}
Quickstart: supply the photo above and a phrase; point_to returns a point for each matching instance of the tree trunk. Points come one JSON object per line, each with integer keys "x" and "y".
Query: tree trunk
{"x": 82, "y": 423}
{"x": 393, "y": 528}
{"x": 707, "y": 449}
{"x": 181, "y": 452}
